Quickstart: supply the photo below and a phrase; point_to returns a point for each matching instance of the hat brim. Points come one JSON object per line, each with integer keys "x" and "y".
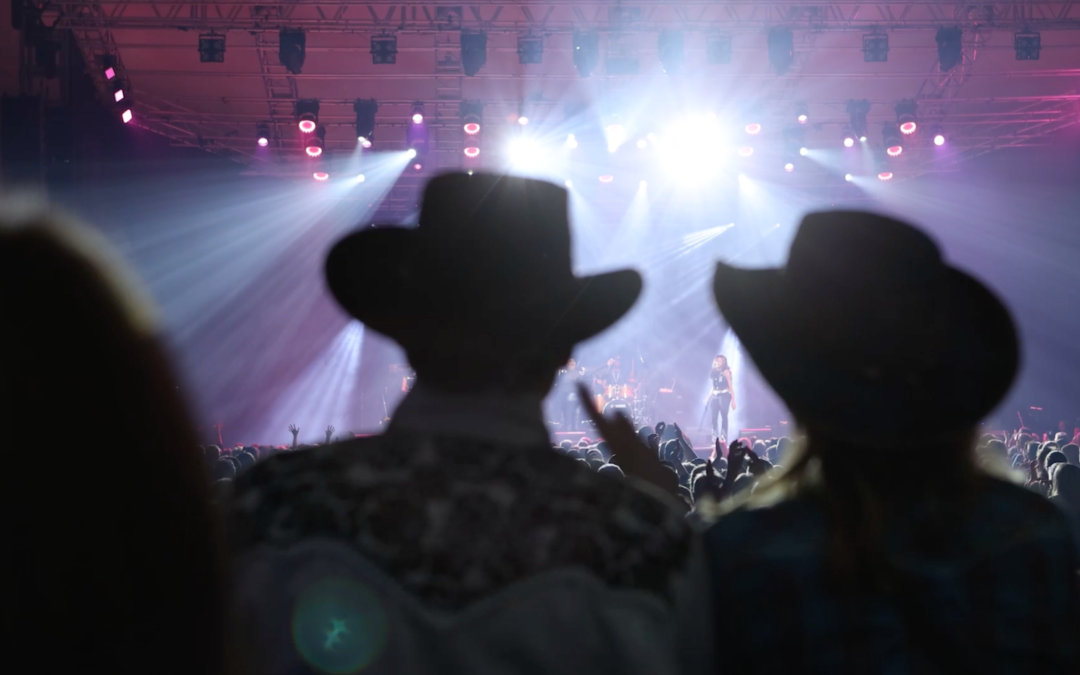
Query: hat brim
{"x": 370, "y": 275}
{"x": 977, "y": 359}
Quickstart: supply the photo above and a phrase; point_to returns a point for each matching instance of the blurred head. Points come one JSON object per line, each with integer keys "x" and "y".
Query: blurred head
{"x": 611, "y": 471}
{"x": 1066, "y": 483}
{"x": 720, "y": 362}
{"x": 1072, "y": 453}
{"x": 1054, "y": 457}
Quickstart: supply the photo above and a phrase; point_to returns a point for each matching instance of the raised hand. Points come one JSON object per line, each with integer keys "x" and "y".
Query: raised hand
{"x": 294, "y": 430}
{"x": 628, "y": 452}
{"x": 329, "y": 432}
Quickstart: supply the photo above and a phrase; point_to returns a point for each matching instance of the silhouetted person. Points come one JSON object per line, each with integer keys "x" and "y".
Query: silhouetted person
{"x": 113, "y": 560}
{"x": 889, "y": 551}
{"x": 461, "y": 511}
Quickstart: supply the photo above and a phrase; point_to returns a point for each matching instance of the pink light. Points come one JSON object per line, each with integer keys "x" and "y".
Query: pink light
{"x": 802, "y": 119}
{"x": 263, "y": 142}
{"x": 606, "y": 178}
{"x": 320, "y": 175}
{"x": 789, "y": 167}
{"x": 472, "y": 128}
{"x": 753, "y": 129}
{"x": 119, "y": 95}
{"x": 894, "y": 150}
{"x": 746, "y": 151}
{"x": 126, "y": 116}
{"x": 417, "y": 118}
{"x": 908, "y": 128}
{"x": 939, "y": 140}
{"x": 472, "y": 152}
{"x": 109, "y": 73}
{"x": 418, "y": 166}
{"x": 364, "y": 143}
{"x": 313, "y": 151}
{"x": 849, "y": 142}
{"x": 885, "y": 175}
{"x": 307, "y": 126}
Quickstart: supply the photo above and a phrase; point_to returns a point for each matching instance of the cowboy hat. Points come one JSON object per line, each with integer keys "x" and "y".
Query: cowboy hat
{"x": 490, "y": 256}
{"x": 867, "y": 331}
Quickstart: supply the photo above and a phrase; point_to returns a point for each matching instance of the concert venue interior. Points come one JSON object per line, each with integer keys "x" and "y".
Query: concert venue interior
{"x": 222, "y": 145}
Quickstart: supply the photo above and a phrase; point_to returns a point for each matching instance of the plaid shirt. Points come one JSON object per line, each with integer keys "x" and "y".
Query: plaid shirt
{"x": 997, "y": 594}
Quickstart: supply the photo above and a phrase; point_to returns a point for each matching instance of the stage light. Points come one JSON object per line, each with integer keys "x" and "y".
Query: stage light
{"x": 361, "y": 178}
{"x": 471, "y": 114}
{"x": 307, "y": 114}
{"x": 568, "y": 183}
{"x": 586, "y": 52}
{"x": 525, "y": 152}
{"x": 781, "y": 50}
{"x": 262, "y": 133}
{"x": 885, "y": 175}
{"x": 118, "y": 95}
{"x": 642, "y": 144}
{"x": 718, "y": 49}
{"x": 643, "y": 184}
{"x": 383, "y": 50}
{"x": 606, "y": 178}
{"x": 893, "y": 143}
{"x": 857, "y": 111}
{"x": 894, "y": 150}
{"x": 523, "y": 120}
{"x": 321, "y": 176}
{"x": 746, "y": 151}
{"x": 571, "y": 141}
{"x": 939, "y": 135}
{"x": 418, "y": 113}
{"x": 803, "y": 152}
{"x": 875, "y": 47}
{"x": 789, "y": 167}
{"x": 472, "y": 152}
{"x": 473, "y": 52}
{"x": 849, "y": 142}
{"x": 263, "y": 142}
{"x": 848, "y": 177}
{"x": 1028, "y": 46}
{"x": 418, "y": 166}
{"x": 753, "y": 128}
{"x": 110, "y": 73}
{"x": 411, "y": 153}
{"x": 316, "y": 143}
{"x": 365, "y": 109}
{"x": 671, "y": 50}
{"x": 126, "y": 116}
{"x": 469, "y": 172}
{"x": 211, "y": 48}
{"x": 530, "y": 49}
{"x": 848, "y": 136}
{"x": 802, "y": 113}
{"x": 950, "y": 48}
{"x": 615, "y": 134}
{"x": 109, "y": 65}
{"x": 905, "y": 116}
{"x": 292, "y": 48}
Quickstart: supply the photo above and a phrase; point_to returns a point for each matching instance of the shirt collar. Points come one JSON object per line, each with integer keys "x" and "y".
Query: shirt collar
{"x": 491, "y": 417}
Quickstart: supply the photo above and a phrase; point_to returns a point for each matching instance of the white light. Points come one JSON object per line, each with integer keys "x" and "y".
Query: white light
{"x": 804, "y": 152}
{"x": 364, "y": 143}
{"x": 571, "y": 141}
{"x": 695, "y": 149}
{"x": 411, "y": 153}
{"x": 847, "y": 177}
{"x": 862, "y": 139}
{"x": 525, "y": 153}
{"x": 568, "y": 183}
{"x": 523, "y": 120}
{"x": 848, "y": 142}
{"x": 263, "y": 142}
{"x": 643, "y": 184}
{"x": 789, "y": 167}
{"x": 361, "y": 178}
{"x": 939, "y": 139}
{"x": 470, "y": 172}
{"x": 417, "y": 118}
{"x": 642, "y": 144}
{"x": 616, "y": 136}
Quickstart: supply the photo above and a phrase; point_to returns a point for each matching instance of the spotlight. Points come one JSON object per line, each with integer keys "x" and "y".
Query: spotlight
{"x": 530, "y": 49}
{"x": 875, "y": 48}
{"x": 109, "y": 65}
{"x": 753, "y": 128}
{"x": 383, "y": 50}
{"x": 781, "y": 50}
{"x": 321, "y": 176}
{"x": 905, "y": 117}
{"x": 571, "y": 141}
{"x": 642, "y": 144}
{"x": 848, "y": 177}
{"x": 848, "y": 136}
{"x": 643, "y": 184}
{"x": 118, "y": 90}
{"x": 361, "y": 178}
{"x": 471, "y": 114}
{"x": 586, "y": 52}
{"x": 418, "y": 113}
{"x": 803, "y": 152}
{"x": 568, "y": 183}
{"x": 885, "y": 175}
{"x": 939, "y": 135}
{"x": 292, "y": 46}
{"x": 262, "y": 133}
{"x": 894, "y": 150}
{"x": 949, "y": 48}
{"x": 718, "y": 49}
{"x": 606, "y": 178}
{"x": 671, "y": 50}
{"x": 473, "y": 52}
{"x": 411, "y": 153}
{"x": 746, "y": 151}
{"x": 365, "y": 109}
{"x": 307, "y": 114}
{"x": 615, "y": 135}
{"x": 802, "y": 113}
{"x": 1028, "y": 46}
{"x": 316, "y": 143}
{"x": 525, "y": 152}
{"x": 211, "y": 48}
{"x": 893, "y": 144}
{"x": 523, "y": 120}
{"x": 126, "y": 116}
{"x": 789, "y": 167}
{"x": 472, "y": 152}
{"x": 857, "y": 111}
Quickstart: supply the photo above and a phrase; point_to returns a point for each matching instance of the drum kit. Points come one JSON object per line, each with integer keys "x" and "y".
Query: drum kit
{"x": 627, "y": 399}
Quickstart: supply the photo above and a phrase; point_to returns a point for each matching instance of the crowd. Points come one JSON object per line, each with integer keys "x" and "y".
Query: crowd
{"x": 888, "y": 536}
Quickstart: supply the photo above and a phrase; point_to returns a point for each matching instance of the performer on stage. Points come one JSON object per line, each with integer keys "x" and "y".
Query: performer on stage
{"x": 722, "y": 396}
{"x": 569, "y": 404}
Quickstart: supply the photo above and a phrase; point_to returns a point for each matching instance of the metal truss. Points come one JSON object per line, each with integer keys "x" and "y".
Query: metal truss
{"x": 552, "y": 16}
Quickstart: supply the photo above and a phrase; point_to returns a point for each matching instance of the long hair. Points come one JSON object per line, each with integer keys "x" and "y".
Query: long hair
{"x": 117, "y": 564}
{"x": 723, "y": 365}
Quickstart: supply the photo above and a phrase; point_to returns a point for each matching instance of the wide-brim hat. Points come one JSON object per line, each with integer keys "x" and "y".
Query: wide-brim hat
{"x": 869, "y": 333}
{"x": 489, "y": 257}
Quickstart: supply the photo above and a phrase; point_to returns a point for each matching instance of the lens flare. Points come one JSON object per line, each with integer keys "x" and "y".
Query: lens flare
{"x": 848, "y": 177}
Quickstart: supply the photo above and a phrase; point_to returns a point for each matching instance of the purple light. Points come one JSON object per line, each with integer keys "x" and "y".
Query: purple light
{"x": 109, "y": 73}
{"x": 418, "y": 166}
{"x": 472, "y": 128}
{"x": 417, "y": 118}
{"x": 118, "y": 95}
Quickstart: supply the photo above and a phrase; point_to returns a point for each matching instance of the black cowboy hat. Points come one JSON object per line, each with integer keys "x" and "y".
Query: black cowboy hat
{"x": 490, "y": 256}
{"x": 868, "y": 332}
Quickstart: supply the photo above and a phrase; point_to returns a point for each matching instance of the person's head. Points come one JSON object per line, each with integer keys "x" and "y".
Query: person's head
{"x": 1054, "y": 457}
{"x": 1044, "y": 450}
{"x": 720, "y": 362}
{"x": 595, "y": 463}
{"x": 571, "y": 364}
{"x": 742, "y": 483}
{"x": 611, "y": 471}
{"x": 1072, "y": 453}
{"x": 575, "y": 454}
{"x": 1066, "y": 483}
{"x": 80, "y": 353}
{"x": 566, "y": 445}
{"x": 1031, "y": 451}
{"x": 223, "y": 468}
